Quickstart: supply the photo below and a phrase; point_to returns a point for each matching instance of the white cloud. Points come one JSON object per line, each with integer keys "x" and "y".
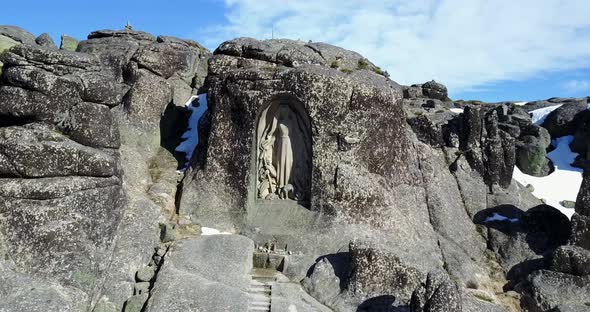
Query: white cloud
{"x": 464, "y": 44}
{"x": 576, "y": 86}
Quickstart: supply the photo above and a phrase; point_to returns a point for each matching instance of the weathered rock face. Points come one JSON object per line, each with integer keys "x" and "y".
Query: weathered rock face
{"x": 45, "y": 40}
{"x": 583, "y": 200}
{"x": 61, "y": 189}
{"x": 560, "y": 122}
{"x": 80, "y": 152}
{"x": 414, "y": 206}
{"x": 357, "y": 170}
{"x": 439, "y": 293}
{"x": 376, "y": 273}
{"x": 18, "y": 34}
{"x": 571, "y": 260}
{"x": 549, "y": 289}
{"x": 209, "y": 273}
{"x": 86, "y": 178}
{"x": 431, "y": 89}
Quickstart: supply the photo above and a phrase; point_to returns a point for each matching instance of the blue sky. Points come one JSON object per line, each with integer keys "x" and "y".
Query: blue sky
{"x": 491, "y": 50}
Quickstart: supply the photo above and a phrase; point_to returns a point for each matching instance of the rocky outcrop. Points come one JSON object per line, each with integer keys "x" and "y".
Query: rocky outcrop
{"x": 431, "y": 89}
{"x": 85, "y": 181}
{"x": 560, "y": 122}
{"x": 61, "y": 189}
{"x": 453, "y": 166}
{"x": 18, "y": 34}
{"x": 563, "y": 286}
{"x": 88, "y": 183}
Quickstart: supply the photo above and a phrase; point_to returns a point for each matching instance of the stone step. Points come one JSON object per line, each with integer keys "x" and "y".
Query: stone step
{"x": 260, "y": 293}
{"x": 259, "y": 290}
{"x": 260, "y": 298}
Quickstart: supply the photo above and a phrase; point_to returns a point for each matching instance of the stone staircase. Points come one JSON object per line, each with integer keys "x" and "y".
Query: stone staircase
{"x": 260, "y": 292}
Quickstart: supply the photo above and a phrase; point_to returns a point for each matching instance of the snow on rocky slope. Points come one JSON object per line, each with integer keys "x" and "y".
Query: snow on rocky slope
{"x": 562, "y": 184}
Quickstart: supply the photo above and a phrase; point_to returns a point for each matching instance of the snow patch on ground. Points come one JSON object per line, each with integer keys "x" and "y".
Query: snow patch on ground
{"x": 212, "y": 231}
{"x": 563, "y": 183}
{"x": 498, "y": 217}
{"x": 538, "y": 115}
{"x": 456, "y": 110}
{"x": 520, "y": 103}
{"x": 191, "y": 135}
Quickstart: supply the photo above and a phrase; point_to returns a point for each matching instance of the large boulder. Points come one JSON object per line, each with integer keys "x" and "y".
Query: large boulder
{"x": 438, "y": 294}
{"x": 21, "y": 147}
{"x": 560, "y": 122}
{"x": 45, "y": 40}
{"x": 547, "y": 290}
{"x": 430, "y": 89}
{"x": 531, "y": 156}
{"x": 58, "y": 62}
{"x": 148, "y": 97}
{"x": 68, "y": 43}
{"x": 18, "y": 34}
{"x": 376, "y": 273}
{"x": 435, "y": 90}
{"x": 571, "y": 260}
{"x": 207, "y": 273}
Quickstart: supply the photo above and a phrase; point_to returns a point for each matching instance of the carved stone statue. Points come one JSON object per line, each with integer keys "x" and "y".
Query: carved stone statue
{"x": 284, "y": 152}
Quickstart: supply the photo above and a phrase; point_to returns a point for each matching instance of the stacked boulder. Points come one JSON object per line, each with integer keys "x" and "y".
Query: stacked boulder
{"x": 565, "y": 284}
{"x": 61, "y": 189}
{"x": 85, "y": 182}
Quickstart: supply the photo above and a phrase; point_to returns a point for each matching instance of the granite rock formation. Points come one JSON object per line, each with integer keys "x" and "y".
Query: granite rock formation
{"x": 379, "y": 197}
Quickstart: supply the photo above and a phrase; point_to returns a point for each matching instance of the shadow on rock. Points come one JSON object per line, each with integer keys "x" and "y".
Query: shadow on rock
{"x": 521, "y": 270}
{"x": 523, "y": 239}
{"x": 383, "y": 303}
{"x": 543, "y": 226}
{"x": 173, "y": 124}
{"x": 341, "y": 264}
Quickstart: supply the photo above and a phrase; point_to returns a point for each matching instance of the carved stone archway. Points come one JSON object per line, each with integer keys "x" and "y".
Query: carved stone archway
{"x": 284, "y": 152}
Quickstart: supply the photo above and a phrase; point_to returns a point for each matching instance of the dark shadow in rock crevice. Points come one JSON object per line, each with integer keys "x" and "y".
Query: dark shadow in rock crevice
{"x": 525, "y": 236}
{"x": 9, "y": 120}
{"x": 545, "y": 227}
{"x": 383, "y": 303}
{"x": 173, "y": 125}
{"x": 341, "y": 263}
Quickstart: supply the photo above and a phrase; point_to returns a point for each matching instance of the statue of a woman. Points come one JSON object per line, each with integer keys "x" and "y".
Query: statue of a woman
{"x": 283, "y": 157}
{"x": 284, "y": 151}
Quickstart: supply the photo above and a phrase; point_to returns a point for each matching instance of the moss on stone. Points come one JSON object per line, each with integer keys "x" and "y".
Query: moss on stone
{"x": 335, "y": 64}
{"x": 363, "y": 64}
{"x": 68, "y": 43}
